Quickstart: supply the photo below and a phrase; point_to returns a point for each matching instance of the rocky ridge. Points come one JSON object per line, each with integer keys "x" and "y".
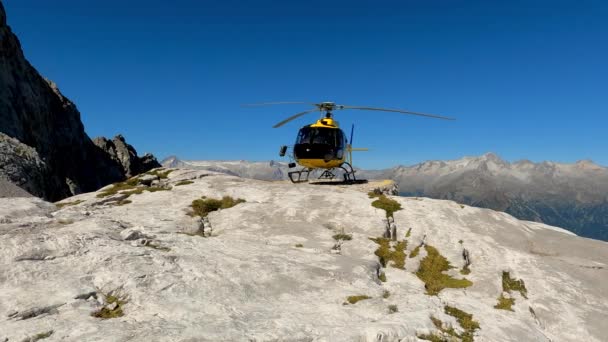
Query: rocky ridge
{"x": 290, "y": 263}
{"x": 35, "y": 113}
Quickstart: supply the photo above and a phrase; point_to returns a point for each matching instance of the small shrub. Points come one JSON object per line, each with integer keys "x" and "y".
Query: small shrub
{"x": 382, "y": 277}
{"x": 386, "y": 294}
{"x": 504, "y": 303}
{"x": 386, "y": 204}
{"x": 409, "y": 232}
{"x": 202, "y": 207}
{"x": 299, "y": 245}
{"x": 509, "y": 284}
{"x": 392, "y": 309}
{"x": 431, "y": 273}
{"x": 465, "y": 270}
{"x": 184, "y": 182}
{"x": 355, "y": 299}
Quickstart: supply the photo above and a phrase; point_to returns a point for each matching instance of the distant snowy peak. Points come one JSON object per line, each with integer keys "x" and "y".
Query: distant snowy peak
{"x": 492, "y": 163}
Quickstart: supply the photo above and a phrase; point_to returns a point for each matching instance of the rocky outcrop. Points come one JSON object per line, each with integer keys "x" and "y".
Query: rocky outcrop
{"x": 35, "y": 113}
{"x": 126, "y": 156}
{"x": 21, "y": 165}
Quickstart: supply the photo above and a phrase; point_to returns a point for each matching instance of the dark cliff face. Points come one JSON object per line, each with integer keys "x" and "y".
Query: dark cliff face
{"x": 33, "y": 111}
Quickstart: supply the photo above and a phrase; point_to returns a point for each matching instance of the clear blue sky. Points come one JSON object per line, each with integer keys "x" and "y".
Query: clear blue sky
{"x": 526, "y": 79}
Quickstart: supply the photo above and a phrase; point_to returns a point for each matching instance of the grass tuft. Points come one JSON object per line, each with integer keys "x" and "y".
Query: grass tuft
{"x": 202, "y": 207}
{"x": 431, "y": 273}
{"x": 355, "y": 299}
{"x": 386, "y": 294}
{"x": 299, "y": 245}
{"x": 409, "y": 232}
{"x": 393, "y": 309}
{"x": 465, "y": 270}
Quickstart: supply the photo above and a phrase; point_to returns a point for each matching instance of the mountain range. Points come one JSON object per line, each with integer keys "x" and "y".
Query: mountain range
{"x": 572, "y": 196}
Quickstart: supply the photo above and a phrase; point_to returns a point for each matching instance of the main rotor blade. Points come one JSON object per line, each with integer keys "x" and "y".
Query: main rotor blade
{"x": 397, "y": 111}
{"x": 272, "y": 103}
{"x": 294, "y": 117}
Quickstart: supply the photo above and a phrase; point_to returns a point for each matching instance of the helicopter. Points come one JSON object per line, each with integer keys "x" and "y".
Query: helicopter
{"x": 324, "y": 145}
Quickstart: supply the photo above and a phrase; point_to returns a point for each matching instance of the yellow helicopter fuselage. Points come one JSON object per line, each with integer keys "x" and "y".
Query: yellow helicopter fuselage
{"x": 321, "y": 145}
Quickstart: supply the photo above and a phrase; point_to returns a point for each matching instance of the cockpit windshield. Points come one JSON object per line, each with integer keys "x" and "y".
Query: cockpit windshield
{"x": 315, "y": 135}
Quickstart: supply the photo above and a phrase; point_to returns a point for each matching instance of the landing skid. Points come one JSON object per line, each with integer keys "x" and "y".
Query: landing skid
{"x": 299, "y": 175}
{"x": 328, "y": 175}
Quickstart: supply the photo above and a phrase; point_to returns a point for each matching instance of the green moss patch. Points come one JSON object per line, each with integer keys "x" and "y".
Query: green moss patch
{"x": 129, "y": 184}
{"x": 184, "y": 182}
{"x": 504, "y": 303}
{"x": 415, "y": 252}
{"x": 393, "y": 255}
{"x": 386, "y": 204}
{"x": 356, "y": 299}
{"x": 431, "y": 273}
{"x": 510, "y": 284}
{"x": 202, "y": 207}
